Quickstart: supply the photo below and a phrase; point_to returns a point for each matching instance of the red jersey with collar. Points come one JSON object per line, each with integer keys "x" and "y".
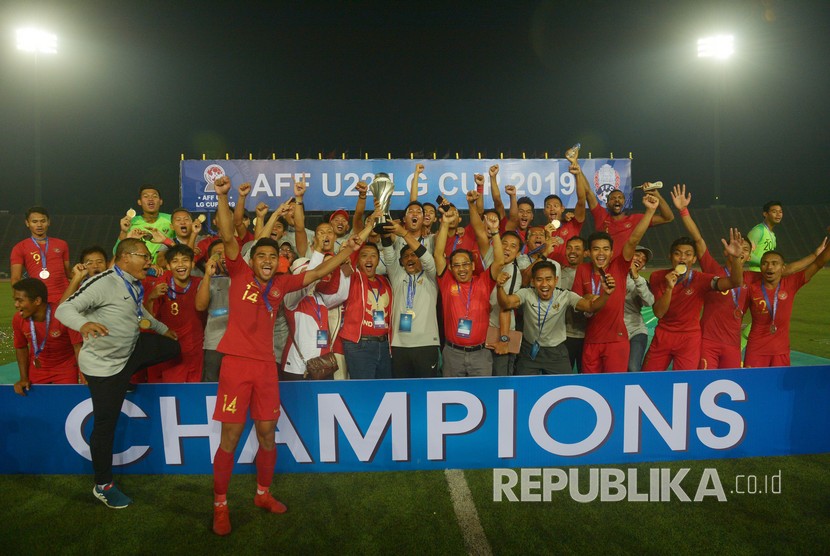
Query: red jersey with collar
{"x": 722, "y": 311}
{"x": 762, "y": 340}
{"x": 57, "y": 353}
{"x": 30, "y": 254}
{"x": 366, "y": 296}
{"x": 607, "y": 325}
{"x": 250, "y": 332}
{"x": 687, "y": 297}
{"x": 177, "y": 309}
{"x": 456, "y": 296}
{"x": 619, "y": 229}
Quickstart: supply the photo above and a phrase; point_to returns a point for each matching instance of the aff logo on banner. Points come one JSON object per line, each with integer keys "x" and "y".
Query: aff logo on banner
{"x": 333, "y": 183}
{"x": 494, "y": 422}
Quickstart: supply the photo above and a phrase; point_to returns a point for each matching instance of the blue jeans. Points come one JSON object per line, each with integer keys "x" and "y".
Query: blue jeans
{"x": 638, "y": 352}
{"x": 368, "y": 359}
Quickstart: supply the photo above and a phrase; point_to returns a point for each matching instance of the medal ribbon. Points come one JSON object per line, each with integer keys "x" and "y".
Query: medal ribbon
{"x": 596, "y": 287}
{"x": 264, "y": 293}
{"x": 734, "y": 291}
{"x": 318, "y": 311}
{"x": 410, "y": 290}
{"x": 42, "y": 252}
{"x": 172, "y": 292}
{"x": 772, "y": 307}
{"x": 137, "y": 298}
{"x": 39, "y": 348}
{"x": 539, "y": 320}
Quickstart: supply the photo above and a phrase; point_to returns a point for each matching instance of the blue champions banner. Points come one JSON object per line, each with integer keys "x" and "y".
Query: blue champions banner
{"x": 441, "y": 423}
{"x": 332, "y": 183}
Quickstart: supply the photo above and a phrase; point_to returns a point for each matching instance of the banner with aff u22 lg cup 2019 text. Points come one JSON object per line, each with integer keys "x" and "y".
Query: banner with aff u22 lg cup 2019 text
{"x": 396, "y": 425}
{"x": 332, "y": 183}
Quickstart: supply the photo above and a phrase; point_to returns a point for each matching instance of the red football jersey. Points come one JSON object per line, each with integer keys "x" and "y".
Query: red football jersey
{"x": 762, "y": 340}
{"x": 30, "y": 254}
{"x": 250, "y": 330}
{"x": 607, "y": 325}
{"x": 177, "y": 309}
{"x": 469, "y": 301}
{"x": 57, "y": 353}
{"x": 619, "y": 229}
{"x": 686, "y": 299}
{"x": 722, "y": 311}
{"x": 566, "y": 231}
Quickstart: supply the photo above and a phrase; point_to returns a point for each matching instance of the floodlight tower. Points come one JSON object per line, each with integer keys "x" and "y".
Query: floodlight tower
{"x": 718, "y": 48}
{"x": 37, "y": 42}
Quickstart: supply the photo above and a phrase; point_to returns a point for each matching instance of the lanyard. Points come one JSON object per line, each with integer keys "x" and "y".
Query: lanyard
{"x": 734, "y": 291}
{"x": 688, "y": 279}
{"x": 772, "y": 308}
{"x": 42, "y": 251}
{"x": 264, "y": 293}
{"x": 171, "y": 291}
{"x": 375, "y": 293}
{"x": 455, "y": 243}
{"x": 410, "y": 290}
{"x": 539, "y": 320}
{"x": 469, "y": 297}
{"x": 39, "y": 348}
{"x": 318, "y": 311}
{"x": 137, "y": 298}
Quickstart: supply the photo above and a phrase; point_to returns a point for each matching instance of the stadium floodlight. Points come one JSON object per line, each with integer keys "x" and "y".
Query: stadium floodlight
{"x": 37, "y": 40}
{"x": 719, "y": 47}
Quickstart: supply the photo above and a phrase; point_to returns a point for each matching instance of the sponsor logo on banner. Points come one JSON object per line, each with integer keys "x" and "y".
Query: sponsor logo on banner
{"x": 606, "y": 180}
{"x": 212, "y": 173}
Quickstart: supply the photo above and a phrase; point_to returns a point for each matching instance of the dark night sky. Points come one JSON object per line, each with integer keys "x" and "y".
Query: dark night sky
{"x": 137, "y": 84}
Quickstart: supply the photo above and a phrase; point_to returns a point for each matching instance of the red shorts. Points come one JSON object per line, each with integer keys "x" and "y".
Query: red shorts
{"x": 752, "y": 360}
{"x": 682, "y": 349}
{"x": 67, "y": 375}
{"x": 187, "y": 367}
{"x": 715, "y": 355}
{"x": 245, "y": 383}
{"x": 605, "y": 358}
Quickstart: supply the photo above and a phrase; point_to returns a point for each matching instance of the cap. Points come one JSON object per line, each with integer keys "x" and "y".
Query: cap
{"x": 299, "y": 265}
{"x": 341, "y": 212}
{"x": 645, "y": 250}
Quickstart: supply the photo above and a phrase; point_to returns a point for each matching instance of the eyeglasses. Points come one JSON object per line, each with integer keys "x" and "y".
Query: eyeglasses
{"x": 145, "y": 256}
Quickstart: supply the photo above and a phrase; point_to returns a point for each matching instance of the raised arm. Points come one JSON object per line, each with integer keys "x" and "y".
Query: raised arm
{"x": 202, "y": 299}
{"x": 583, "y": 188}
{"x": 441, "y": 241}
{"x": 300, "y": 237}
{"x": 817, "y": 264}
{"x": 476, "y": 222}
{"x": 224, "y": 217}
{"x": 413, "y": 187}
{"x": 513, "y": 214}
{"x": 801, "y": 264}
{"x": 651, "y": 203}
{"x": 681, "y": 200}
{"x": 579, "y": 209}
{"x": 261, "y": 211}
{"x": 354, "y": 243}
{"x": 498, "y": 258}
{"x": 592, "y": 304}
{"x": 498, "y": 205}
{"x": 239, "y": 210}
{"x": 734, "y": 250}
{"x": 360, "y": 207}
{"x": 665, "y": 214}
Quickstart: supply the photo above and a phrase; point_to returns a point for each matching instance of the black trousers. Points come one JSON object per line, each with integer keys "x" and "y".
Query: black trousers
{"x": 108, "y": 395}
{"x": 415, "y": 362}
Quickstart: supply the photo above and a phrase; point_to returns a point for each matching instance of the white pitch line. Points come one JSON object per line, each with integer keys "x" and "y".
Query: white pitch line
{"x": 465, "y": 512}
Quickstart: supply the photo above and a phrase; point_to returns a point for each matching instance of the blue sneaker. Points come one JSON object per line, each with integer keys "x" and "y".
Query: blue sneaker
{"x": 112, "y": 497}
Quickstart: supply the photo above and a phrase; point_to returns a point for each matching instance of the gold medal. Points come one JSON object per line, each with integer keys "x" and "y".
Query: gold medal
{"x": 144, "y": 323}
{"x": 410, "y": 312}
{"x": 37, "y": 363}
{"x": 130, "y": 213}
{"x": 773, "y": 329}
{"x": 738, "y": 314}
{"x": 680, "y": 269}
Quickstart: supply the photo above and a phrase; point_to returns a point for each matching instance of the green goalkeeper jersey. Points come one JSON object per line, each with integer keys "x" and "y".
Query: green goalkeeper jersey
{"x": 764, "y": 239}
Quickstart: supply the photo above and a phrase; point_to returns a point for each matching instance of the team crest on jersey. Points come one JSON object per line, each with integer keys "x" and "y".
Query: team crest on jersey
{"x": 782, "y": 295}
{"x": 455, "y": 289}
{"x": 628, "y": 225}
{"x": 275, "y": 292}
{"x": 555, "y": 307}
{"x": 606, "y": 180}
{"x": 55, "y": 333}
{"x": 688, "y": 291}
{"x": 212, "y": 173}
